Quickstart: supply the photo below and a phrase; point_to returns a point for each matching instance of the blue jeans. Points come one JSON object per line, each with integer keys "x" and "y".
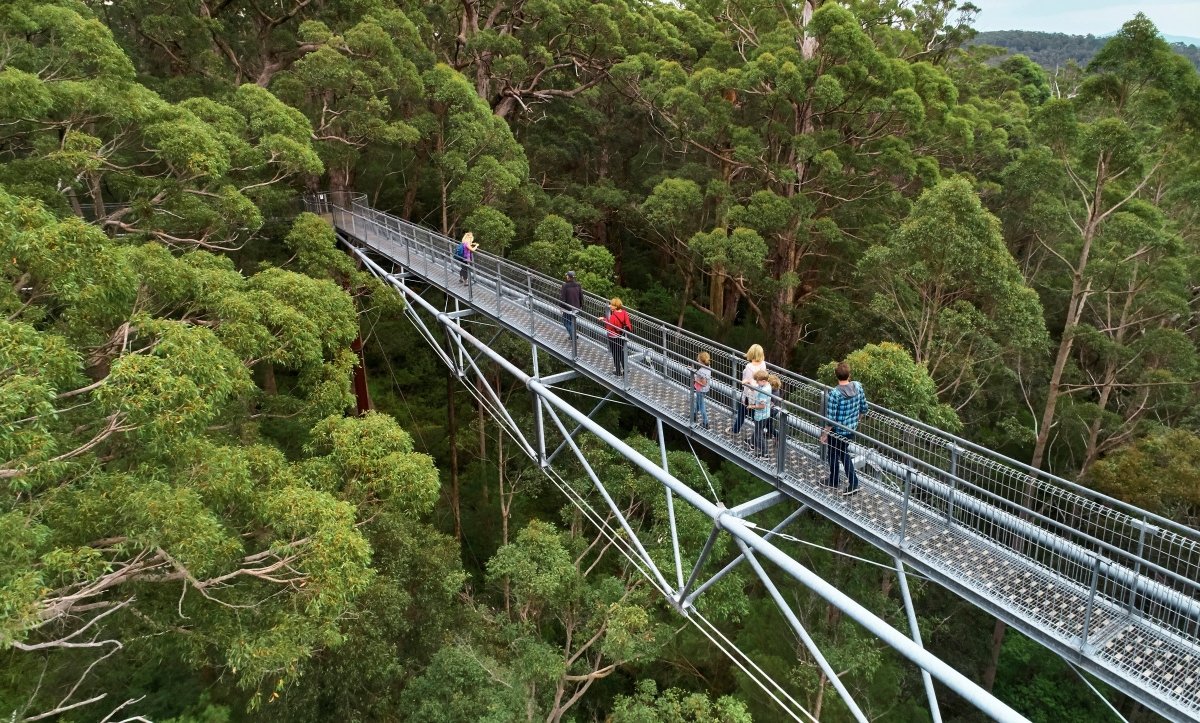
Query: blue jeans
{"x": 839, "y": 452}
{"x": 699, "y": 407}
{"x": 569, "y": 323}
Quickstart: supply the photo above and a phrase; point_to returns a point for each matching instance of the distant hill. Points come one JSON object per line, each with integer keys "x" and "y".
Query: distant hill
{"x": 1180, "y": 39}
{"x": 1051, "y": 50}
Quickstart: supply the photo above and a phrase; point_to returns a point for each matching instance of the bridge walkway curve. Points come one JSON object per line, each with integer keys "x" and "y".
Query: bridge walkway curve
{"x": 1111, "y": 588}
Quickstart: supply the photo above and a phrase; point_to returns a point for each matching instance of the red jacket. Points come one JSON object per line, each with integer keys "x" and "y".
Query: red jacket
{"x": 617, "y": 323}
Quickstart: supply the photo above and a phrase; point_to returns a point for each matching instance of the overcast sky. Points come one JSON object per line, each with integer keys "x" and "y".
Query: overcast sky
{"x": 1173, "y": 17}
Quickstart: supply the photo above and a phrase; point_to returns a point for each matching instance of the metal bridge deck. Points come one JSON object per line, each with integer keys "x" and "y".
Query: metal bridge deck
{"x": 1114, "y": 635}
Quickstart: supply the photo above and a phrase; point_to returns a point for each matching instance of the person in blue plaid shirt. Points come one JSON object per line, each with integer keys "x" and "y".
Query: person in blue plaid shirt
{"x": 844, "y": 405}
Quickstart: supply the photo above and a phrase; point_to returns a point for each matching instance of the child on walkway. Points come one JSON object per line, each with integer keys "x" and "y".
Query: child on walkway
{"x": 761, "y": 405}
{"x": 701, "y": 380}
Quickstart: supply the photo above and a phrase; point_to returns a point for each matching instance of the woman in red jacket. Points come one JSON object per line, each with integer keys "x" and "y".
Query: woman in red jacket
{"x": 616, "y": 323}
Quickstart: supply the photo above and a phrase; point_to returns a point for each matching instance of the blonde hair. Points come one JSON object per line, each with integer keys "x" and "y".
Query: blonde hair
{"x": 755, "y": 353}
{"x": 468, "y": 237}
{"x": 616, "y": 303}
{"x": 703, "y": 358}
{"x": 761, "y": 375}
{"x": 774, "y": 382}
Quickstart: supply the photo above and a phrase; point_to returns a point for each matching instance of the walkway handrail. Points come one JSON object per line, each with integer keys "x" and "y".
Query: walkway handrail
{"x": 962, "y": 480}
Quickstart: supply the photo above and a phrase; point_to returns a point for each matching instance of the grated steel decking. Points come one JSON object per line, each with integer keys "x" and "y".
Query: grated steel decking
{"x": 1110, "y": 588}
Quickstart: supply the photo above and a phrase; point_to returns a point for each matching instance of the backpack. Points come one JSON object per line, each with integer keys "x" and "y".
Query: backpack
{"x": 460, "y": 251}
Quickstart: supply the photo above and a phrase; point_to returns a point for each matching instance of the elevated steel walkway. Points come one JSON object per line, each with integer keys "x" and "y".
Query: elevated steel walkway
{"x": 1113, "y": 589}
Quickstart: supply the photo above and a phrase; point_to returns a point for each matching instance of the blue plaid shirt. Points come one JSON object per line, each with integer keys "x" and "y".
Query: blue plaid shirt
{"x": 845, "y": 410}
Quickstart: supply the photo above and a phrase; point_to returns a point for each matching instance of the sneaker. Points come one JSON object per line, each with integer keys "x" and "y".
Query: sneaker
{"x": 848, "y": 493}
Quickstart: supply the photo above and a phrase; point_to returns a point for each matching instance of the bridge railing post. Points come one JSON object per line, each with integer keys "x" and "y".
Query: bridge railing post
{"x": 821, "y": 424}
{"x": 904, "y": 511}
{"x": 1137, "y": 567}
{"x": 955, "y": 451}
{"x": 735, "y": 400}
{"x": 529, "y": 291}
{"x": 407, "y": 235}
{"x": 781, "y": 438}
{"x": 1091, "y": 603}
{"x": 663, "y": 359}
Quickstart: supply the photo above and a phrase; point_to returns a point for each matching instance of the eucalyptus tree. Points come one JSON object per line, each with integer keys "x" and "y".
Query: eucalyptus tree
{"x": 207, "y": 46}
{"x": 520, "y": 55}
{"x": 147, "y": 495}
{"x": 359, "y": 88}
{"x": 85, "y": 135}
{"x": 812, "y": 130}
{"x": 1107, "y": 253}
{"x": 947, "y": 286}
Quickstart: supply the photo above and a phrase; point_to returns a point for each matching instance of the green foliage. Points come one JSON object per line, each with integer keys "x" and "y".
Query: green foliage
{"x": 1160, "y": 473}
{"x": 676, "y": 706}
{"x": 133, "y": 406}
{"x": 1038, "y": 684}
{"x": 949, "y": 289}
{"x": 893, "y": 379}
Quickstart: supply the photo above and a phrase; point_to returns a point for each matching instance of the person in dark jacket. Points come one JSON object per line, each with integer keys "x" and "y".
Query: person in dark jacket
{"x": 570, "y": 296}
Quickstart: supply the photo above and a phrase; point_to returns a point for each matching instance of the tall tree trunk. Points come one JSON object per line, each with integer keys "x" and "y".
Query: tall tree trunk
{"x": 716, "y": 291}
{"x": 1079, "y": 294}
{"x": 1109, "y": 384}
{"x": 683, "y": 304}
{"x": 452, "y": 431}
{"x": 783, "y": 328}
{"x": 989, "y": 673}
{"x": 820, "y": 702}
{"x": 269, "y": 384}
{"x": 341, "y": 183}
{"x": 362, "y": 395}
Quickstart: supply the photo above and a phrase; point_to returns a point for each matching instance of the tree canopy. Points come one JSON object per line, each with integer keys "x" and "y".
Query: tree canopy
{"x": 197, "y": 526}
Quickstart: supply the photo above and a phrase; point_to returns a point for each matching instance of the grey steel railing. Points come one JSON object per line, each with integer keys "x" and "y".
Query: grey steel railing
{"x": 1124, "y": 558}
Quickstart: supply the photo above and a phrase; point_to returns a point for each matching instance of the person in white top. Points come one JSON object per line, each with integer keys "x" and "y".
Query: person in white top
{"x": 756, "y": 361}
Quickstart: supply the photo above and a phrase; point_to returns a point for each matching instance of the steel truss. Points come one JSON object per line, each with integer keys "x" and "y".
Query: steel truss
{"x": 682, "y": 585}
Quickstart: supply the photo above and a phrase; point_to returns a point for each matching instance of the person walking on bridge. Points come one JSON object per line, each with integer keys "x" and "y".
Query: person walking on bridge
{"x": 755, "y": 362}
{"x": 570, "y": 297}
{"x": 844, "y": 405}
{"x": 616, "y": 323}
{"x": 465, "y": 254}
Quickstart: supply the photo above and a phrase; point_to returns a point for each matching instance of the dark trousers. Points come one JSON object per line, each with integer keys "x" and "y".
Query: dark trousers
{"x": 741, "y": 413}
{"x": 569, "y": 323}
{"x": 616, "y": 346}
{"x": 760, "y": 436}
{"x": 464, "y": 270}
{"x": 839, "y": 453}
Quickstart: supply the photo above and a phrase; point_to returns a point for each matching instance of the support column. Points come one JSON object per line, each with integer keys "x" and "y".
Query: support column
{"x": 915, "y": 629}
